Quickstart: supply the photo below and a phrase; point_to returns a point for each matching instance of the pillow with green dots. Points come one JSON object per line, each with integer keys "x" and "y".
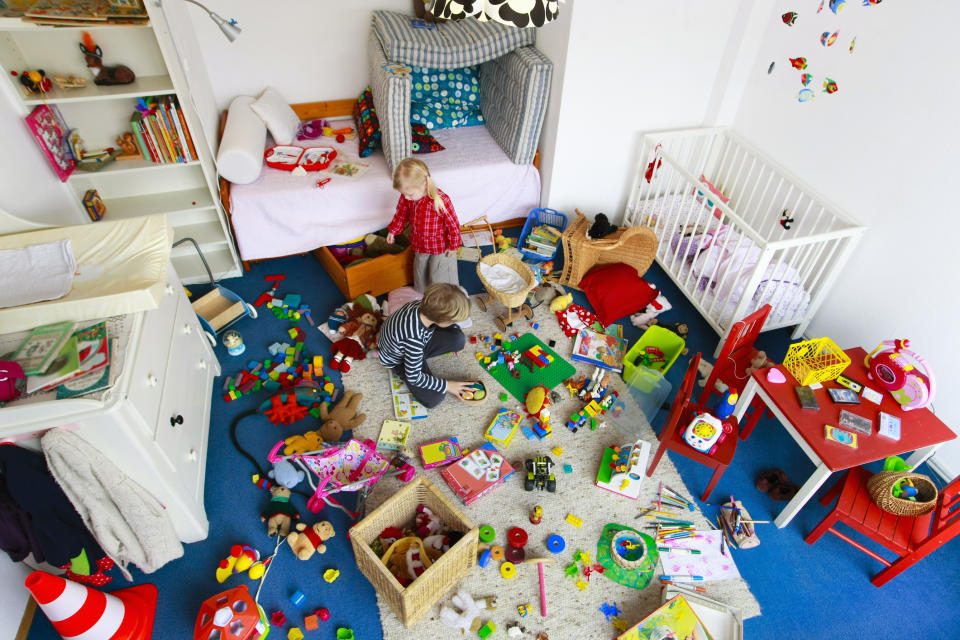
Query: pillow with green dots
{"x": 445, "y": 98}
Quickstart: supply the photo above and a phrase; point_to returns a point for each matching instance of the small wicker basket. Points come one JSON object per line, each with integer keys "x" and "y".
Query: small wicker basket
{"x": 880, "y": 487}
{"x": 509, "y": 300}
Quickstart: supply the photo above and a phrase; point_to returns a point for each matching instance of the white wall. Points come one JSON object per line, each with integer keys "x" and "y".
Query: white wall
{"x": 883, "y": 148}
{"x": 13, "y": 594}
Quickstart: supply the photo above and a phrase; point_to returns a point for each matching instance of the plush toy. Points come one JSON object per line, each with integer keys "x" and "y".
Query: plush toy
{"x": 467, "y": 615}
{"x": 310, "y": 441}
{"x": 679, "y": 328}
{"x": 705, "y": 368}
{"x": 359, "y": 335}
{"x": 561, "y": 302}
{"x": 104, "y": 75}
{"x": 285, "y": 474}
{"x": 601, "y": 227}
{"x": 280, "y": 513}
{"x": 425, "y": 523}
{"x": 307, "y": 540}
{"x": 643, "y": 319}
{"x": 343, "y": 416}
{"x": 759, "y": 361}
{"x": 436, "y": 545}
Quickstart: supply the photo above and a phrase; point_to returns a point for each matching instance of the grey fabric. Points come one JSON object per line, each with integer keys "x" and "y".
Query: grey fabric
{"x": 451, "y": 45}
{"x": 391, "y": 97}
{"x": 429, "y": 269}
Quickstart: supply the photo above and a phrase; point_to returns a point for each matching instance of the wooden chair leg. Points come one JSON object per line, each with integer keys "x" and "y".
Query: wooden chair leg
{"x": 825, "y": 524}
{"x": 656, "y": 459}
{"x": 713, "y": 482}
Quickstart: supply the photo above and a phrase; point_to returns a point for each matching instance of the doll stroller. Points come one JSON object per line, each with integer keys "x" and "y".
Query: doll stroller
{"x": 515, "y": 302}
{"x": 338, "y": 466}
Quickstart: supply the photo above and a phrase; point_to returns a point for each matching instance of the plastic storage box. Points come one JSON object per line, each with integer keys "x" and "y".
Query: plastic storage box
{"x": 541, "y": 216}
{"x": 643, "y": 376}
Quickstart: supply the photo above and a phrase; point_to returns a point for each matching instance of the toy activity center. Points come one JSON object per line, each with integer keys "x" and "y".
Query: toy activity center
{"x": 691, "y": 333}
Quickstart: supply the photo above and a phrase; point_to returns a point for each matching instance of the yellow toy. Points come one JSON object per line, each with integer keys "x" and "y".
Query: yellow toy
{"x": 310, "y": 441}
{"x": 561, "y": 302}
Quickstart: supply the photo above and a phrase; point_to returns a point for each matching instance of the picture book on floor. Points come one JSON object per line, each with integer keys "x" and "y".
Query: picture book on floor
{"x": 393, "y": 434}
{"x": 405, "y": 406}
{"x": 599, "y": 349}
{"x": 674, "y": 619}
{"x": 477, "y": 473}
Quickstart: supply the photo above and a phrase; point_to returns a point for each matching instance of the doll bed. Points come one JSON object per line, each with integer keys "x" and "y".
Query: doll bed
{"x": 122, "y": 269}
{"x": 280, "y": 214}
{"x": 730, "y": 258}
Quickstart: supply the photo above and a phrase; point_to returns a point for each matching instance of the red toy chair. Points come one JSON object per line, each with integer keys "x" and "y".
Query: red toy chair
{"x": 735, "y": 357}
{"x": 911, "y": 538}
{"x": 671, "y": 435}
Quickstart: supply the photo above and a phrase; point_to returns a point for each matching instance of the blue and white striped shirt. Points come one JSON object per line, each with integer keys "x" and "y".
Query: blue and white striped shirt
{"x": 402, "y": 340}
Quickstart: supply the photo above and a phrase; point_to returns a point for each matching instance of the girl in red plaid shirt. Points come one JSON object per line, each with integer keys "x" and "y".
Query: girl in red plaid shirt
{"x": 434, "y": 227}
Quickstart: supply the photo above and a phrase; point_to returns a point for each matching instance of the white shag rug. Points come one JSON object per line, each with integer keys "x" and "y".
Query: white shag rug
{"x": 572, "y": 613}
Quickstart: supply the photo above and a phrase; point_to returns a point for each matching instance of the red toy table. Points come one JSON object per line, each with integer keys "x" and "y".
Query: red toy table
{"x": 921, "y": 431}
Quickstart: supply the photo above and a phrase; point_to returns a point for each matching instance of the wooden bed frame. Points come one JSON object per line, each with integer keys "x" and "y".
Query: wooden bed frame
{"x": 332, "y": 109}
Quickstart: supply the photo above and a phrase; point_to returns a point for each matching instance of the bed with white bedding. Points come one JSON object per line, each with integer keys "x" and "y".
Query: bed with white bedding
{"x": 282, "y": 214}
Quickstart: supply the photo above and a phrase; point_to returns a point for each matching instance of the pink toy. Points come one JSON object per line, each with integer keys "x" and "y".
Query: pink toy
{"x": 889, "y": 366}
{"x": 312, "y": 130}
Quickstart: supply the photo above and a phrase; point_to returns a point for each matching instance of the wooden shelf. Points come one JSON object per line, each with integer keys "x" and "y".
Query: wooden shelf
{"x": 153, "y": 203}
{"x": 191, "y": 270}
{"x": 129, "y": 166}
{"x": 209, "y": 235}
{"x": 139, "y": 88}
{"x": 16, "y": 24}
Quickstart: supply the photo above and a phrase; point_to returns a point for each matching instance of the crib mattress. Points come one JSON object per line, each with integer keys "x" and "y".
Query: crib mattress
{"x": 122, "y": 268}
{"x": 281, "y": 214}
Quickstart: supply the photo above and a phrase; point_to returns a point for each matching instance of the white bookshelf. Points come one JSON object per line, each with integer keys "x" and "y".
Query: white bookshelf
{"x": 186, "y": 192}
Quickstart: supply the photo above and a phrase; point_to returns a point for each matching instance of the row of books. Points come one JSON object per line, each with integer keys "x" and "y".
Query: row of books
{"x": 543, "y": 240}
{"x": 162, "y": 133}
{"x": 74, "y": 360}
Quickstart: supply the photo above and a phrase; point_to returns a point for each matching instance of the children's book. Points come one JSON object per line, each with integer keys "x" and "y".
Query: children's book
{"x": 599, "y": 349}
{"x": 503, "y": 427}
{"x": 46, "y": 124}
{"x": 441, "y": 452}
{"x": 675, "y": 619}
{"x": 477, "y": 473}
{"x": 64, "y": 366}
{"x": 393, "y": 434}
{"x": 41, "y": 347}
{"x": 93, "y": 351}
{"x": 405, "y": 406}
{"x": 95, "y": 380}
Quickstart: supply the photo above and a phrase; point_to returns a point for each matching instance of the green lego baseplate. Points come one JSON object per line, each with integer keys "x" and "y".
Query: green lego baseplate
{"x": 550, "y": 376}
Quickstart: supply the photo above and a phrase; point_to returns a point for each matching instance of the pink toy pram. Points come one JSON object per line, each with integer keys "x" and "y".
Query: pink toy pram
{"x": 347, "y": 466}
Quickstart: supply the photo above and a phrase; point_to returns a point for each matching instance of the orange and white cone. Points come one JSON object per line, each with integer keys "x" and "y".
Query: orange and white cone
{"x": 79, "y": 612}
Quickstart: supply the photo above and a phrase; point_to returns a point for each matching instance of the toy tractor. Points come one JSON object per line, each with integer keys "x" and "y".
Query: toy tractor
{"x": 540, "y": 474}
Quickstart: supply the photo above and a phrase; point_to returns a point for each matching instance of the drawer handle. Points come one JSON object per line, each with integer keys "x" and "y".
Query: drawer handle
{"x": 175, "y": 420}
{"x": 192, "y": 455}
{"x": 168, "y": 290}
{"x": 202, "y": 364}
{"x": 187, "y": 329}
{"x": 152, "y": 380}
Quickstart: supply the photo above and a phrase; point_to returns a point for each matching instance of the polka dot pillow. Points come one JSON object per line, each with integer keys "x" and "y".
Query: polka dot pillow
{"x": 368, "y": 125}
{"x": 445, "y": 98}
{"x": 423, "y": 142}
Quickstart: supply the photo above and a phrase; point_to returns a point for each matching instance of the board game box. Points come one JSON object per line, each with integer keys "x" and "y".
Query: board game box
{"x": 477, "y": 473}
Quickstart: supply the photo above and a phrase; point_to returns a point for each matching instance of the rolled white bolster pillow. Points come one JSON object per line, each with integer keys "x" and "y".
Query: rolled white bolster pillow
{"x": 240, "y": 157}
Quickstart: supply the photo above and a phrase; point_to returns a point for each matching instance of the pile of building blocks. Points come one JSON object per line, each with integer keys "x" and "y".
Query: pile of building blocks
{"x": 597, "y": 394}
{"x": 536, "y": 358}
{"x": 289, "y": 307}
{"x": 543, "y": 365}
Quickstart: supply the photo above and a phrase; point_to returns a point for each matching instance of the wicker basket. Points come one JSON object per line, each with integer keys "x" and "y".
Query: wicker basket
{"x": 880, "y": 488}
{"x": 816, "y": 360}
{"x": 509, "y": 300}
{"x": 635, "y": 246}
{"x": 412, "y": 602}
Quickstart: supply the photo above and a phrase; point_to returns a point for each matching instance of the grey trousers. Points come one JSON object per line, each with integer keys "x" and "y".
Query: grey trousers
{"x": 429, "y": 269}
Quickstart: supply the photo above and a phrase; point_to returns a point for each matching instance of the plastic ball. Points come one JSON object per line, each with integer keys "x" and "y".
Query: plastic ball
{"x": 323, "y": 614}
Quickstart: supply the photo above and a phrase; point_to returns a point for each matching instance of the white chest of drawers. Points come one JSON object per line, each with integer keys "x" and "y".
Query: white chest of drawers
{"x": 154, "y": 422}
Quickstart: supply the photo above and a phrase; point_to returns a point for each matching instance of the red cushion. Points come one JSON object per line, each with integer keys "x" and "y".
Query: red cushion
{"x": 616, "y": 291}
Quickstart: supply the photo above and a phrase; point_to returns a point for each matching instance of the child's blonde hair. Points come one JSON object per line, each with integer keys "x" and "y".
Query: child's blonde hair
{"x": 412, "y": 172}
{"x": 444, "y": 302}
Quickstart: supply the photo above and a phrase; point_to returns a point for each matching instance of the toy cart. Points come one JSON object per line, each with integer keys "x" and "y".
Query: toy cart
{"x": 516, "y": 302}
{"x": 219, "y": 308}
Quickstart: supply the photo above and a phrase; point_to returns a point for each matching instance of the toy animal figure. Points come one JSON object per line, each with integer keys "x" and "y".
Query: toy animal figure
{"x": 601, "y": 227}
{"x": 117, "y": 74}
{"x": 35, "y": 81}
{"x": 128, "y": 146}
{"x": 285, "y": 474}
{"x": 359, "y": 336}
{"x": 280, "y": 513}
{"x": 310, "y": 441}
{"x": 306, "y": 541}
{"x": 343, "y": 416}
{"x": 467, "y": 615}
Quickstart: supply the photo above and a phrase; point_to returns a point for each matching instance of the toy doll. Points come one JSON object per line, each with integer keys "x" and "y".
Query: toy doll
{"x": 359, "y": 336}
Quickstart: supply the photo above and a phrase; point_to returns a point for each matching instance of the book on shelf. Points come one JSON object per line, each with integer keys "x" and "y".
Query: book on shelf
{"x": 179, "y": 126}
{"x": 41, "y": 347}
{"x": 599, "y": 349}
{"x": 85, "y": 352}
{"x": 477, "y": 473}
{"x": 137, "y": 131}
{"x": 186, "y": 133}
{"x": 64, "y": 366}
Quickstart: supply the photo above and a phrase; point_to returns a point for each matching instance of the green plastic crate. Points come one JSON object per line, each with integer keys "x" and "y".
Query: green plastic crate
{"x": 644, "y": 377}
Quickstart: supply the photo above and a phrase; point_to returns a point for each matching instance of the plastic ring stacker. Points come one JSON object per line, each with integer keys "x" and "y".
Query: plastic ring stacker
{"x": 508, "y": 571}
{"x": 556, "y": 544}
{"x": 496, "y": 552}
{"x": 515, "y": 554}
{"x": 487, "y": 534}
{"x": 517, "y": 537}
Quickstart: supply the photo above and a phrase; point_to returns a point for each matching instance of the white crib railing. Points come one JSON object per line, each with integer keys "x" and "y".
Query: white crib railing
{"x": 781, "y": 241}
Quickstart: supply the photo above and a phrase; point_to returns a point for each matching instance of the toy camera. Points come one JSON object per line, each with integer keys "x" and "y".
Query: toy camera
{"x": 889, "y": 366}
{"x": 705, "y": 432}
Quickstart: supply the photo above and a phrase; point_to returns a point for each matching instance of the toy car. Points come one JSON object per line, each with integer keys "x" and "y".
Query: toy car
{"x": 539, "y": 474}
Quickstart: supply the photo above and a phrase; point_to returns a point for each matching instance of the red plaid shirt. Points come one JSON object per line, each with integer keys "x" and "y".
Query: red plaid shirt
{"x": 432, "y": 231}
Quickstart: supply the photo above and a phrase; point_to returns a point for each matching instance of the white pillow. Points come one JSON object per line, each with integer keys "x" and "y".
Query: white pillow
{"x": 282, "y": 121}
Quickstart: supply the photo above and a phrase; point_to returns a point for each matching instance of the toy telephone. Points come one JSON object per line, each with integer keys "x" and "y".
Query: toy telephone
{"x": 705, "y": 432}
{"x": 889, "y": 366}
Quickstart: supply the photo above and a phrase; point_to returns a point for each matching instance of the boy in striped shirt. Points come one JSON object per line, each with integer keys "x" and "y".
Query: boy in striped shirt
{"x": 422, "y": 329}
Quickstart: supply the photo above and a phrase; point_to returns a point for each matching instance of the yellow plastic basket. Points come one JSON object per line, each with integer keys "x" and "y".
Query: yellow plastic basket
{"x": 816, "y": 360}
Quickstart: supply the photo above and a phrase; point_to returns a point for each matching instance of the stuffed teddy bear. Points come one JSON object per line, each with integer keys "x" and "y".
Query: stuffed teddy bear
{"x": 343, "y": 416}
{"x": 285, "y": 474}
{"x": 759, "y": 361}
{"x": 310, "y": 441}
{"x": 644, "y": 319}
{"x": 280, "y": 512}
{"x": 307, "y": 540}
{"x": 468, "y": 616}
{"x": 561, "y": 302}
{"x": 601, "y": 227}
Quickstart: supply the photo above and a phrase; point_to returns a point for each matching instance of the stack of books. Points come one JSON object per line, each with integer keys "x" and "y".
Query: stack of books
{"x": 542, "y": 240}
{"x": 162, "y": 133}
{"x": 72, "y": 360}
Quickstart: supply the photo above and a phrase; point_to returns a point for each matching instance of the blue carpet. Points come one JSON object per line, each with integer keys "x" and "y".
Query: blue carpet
{"x": 804, "y": 592}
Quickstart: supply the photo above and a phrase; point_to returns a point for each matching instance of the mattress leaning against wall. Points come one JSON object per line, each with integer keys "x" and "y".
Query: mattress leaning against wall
{"x": 122, "y": 267}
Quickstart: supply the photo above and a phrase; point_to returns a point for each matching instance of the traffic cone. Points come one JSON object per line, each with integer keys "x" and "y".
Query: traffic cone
{"x": 81, "y": 613}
